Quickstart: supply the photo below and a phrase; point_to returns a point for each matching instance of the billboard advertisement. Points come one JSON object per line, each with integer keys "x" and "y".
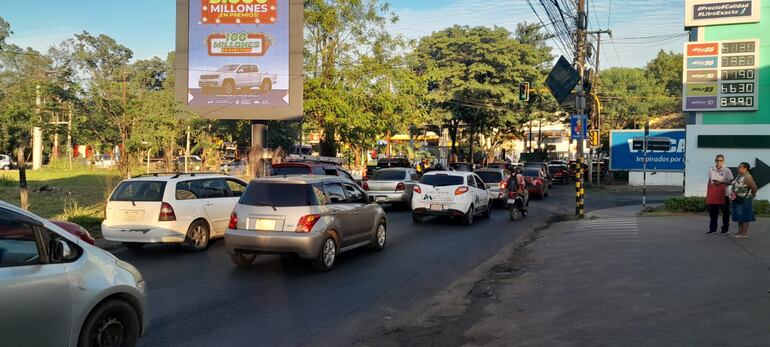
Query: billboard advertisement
{"x": 623, "y": 156}
{"x": 714, "y": 12}
{"x": 237, "y": 59}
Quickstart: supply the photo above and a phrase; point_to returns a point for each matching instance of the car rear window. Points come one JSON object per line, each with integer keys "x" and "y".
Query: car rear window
{"x": 290, "y": 170}
{"x": 490, "y": 177}
{"x": 442, "y": 180}
{"x": 531, "y": 172}
{"x": 278, "y": 194}
{"x": 557, "y": 168}
{"x": 139, "y": 191}
{"x": 389, "y": 175}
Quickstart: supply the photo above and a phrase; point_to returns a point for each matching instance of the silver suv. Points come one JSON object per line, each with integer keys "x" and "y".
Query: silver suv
{"x": 6, "y": 162}
{"x": 315, "y": 217}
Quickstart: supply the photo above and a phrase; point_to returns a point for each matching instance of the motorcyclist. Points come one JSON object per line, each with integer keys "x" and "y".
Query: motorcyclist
{"x": 516, "y": 183}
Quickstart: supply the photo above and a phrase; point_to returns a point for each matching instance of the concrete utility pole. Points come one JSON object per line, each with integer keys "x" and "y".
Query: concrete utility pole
{"x": 37, "y": 133}
{"x": 69, "y": 134}
{"x": 580, "y": 104}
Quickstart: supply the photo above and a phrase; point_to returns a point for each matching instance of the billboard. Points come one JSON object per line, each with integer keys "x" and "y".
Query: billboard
{"x": 721, "y": 76}
{"x": 623, "y": 156}
{"x": 714, "y": 12}
{"x": 240, "y": 59}
{"x": 575, "y": 127}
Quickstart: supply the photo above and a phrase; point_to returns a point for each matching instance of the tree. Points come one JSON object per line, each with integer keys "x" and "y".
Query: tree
{"x": 629, "y": 97}
{"x": 666, "y": 69}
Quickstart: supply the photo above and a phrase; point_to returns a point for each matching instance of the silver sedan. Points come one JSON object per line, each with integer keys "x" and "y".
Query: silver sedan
{"x": 392, "y": 186}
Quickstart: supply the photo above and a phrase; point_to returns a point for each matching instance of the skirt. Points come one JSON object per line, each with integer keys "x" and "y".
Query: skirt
{"x": 743, "y": 211}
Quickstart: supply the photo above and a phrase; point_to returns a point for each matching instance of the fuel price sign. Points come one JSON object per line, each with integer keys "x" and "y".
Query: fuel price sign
{"x": 721, "y": 76}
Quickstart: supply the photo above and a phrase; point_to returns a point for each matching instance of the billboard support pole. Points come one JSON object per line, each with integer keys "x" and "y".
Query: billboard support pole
{"x": 644, "y": 164}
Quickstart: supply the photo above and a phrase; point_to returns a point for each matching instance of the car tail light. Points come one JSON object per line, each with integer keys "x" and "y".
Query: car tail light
{"x": 307, "y": 222}
{"x": 400, "y": 187}
{"x": 166, "y": 213}
{"x": 233, "y": 221}
{"x": 503, "y": 184}
{"x": 417, "y": 190}
{"x": 461, "y": 190}
{"x": 365, "y": 186}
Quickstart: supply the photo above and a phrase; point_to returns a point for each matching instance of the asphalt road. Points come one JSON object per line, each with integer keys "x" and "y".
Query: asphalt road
{"x": 202, "y": 299}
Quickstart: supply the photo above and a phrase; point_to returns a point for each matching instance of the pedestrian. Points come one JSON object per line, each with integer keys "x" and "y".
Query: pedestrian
{"x": 744, "y": 190}
{"x": 717, "y": 196}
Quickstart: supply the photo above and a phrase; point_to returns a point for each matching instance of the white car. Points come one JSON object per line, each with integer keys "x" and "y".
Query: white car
{"x": 58, "y": 290}
{"x": 184, "y": 208}
{"x": 451, "y": 193}
{"x": 6, "y": 162}
{"x": 104, "y": 161}
{"x": 229, "y": 78}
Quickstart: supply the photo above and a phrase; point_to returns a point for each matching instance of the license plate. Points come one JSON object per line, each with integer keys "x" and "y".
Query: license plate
{"x": 133, "y": 216}
{"x": 265, "y": 224}
{"x": 380, "y": 199}
{"x": 511, "y": 201}
{"x": 436, "y": 207}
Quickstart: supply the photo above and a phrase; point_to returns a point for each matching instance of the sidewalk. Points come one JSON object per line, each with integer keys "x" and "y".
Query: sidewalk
{"x": 630, "y": 280}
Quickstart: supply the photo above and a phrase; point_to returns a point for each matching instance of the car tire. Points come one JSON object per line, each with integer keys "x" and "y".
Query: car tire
{"x": 229, "y": 88}
{"x": 6, "y": 167}
{"x": 380, "y": 237}
{"x": 198, "y": 235}
{"x": 417, "y": 218}
{"x": 488, "y": 211}
{"x": 242, "y": 259}
{"x": 327, "y": 255}
{"x": 266, "y": 86}
{"x": 133, "y": 245}
{"x": 111, "y": 321}
{"x": 468, "y": 217}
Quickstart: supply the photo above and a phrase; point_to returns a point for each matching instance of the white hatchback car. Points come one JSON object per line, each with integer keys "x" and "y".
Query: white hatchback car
{"x": 182, "y": 208}
{"x": 451, "y": 193}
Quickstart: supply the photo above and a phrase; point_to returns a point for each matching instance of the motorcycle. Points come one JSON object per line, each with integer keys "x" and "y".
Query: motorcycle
{"x": 515, "y": 205}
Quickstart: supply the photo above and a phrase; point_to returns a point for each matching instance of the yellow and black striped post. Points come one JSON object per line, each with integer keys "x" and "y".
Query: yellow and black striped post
{"x": 579, "y": 190}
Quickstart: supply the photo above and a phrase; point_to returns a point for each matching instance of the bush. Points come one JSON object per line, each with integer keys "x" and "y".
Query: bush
{"x": 687, "y": 204}
{"x": 762, "y": 207}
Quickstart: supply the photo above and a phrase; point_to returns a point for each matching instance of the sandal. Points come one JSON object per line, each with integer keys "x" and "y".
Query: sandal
{"x": 739, "y": 236}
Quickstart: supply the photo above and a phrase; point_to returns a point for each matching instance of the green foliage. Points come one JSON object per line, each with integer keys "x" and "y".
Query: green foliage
{"x": 689, "y": 204}
{"x": 762, "y": 207}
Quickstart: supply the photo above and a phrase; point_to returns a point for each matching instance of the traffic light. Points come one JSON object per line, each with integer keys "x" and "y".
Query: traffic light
{"x": 524, "y": 91}
{"x": 595, "y": 140}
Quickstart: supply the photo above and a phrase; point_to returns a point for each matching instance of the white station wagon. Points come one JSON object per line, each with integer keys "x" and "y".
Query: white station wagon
{"x": 451, "y": 193}
{"x": 182, "y": 208}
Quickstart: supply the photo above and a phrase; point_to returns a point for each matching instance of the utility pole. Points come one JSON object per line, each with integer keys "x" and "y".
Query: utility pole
{"x": 37, "y": 132}
{"x": 69, "y": 134}
{"x": 580, "y": 102}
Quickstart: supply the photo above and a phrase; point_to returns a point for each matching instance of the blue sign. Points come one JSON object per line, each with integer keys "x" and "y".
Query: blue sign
{"x": 623, "y": 157}
{"x": 574, "y": 126}
{"x": 702, "y": 63}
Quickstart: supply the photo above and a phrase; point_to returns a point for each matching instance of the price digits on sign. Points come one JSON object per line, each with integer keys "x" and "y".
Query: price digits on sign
{"x": 738, "y": 75}
{"x": 738, "y": 60}
{"x": 736, "y": 101}
{"x": 739, "y": 47}
{"x": 738, "y": 88}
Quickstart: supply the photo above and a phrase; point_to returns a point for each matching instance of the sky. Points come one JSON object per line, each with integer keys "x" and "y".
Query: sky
{"x": 640, "y": 28}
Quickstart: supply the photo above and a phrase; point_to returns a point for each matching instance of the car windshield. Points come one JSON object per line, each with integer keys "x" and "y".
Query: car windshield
{"x": 228, "y": 68}
{"x": 389, "y": 175}
{"x": 139, "y": 191}
{"x": 290, "y": 170}
{"x": 490, "y": 176}
{"x": 533, "y": 172}
{"x": 442, "y": 180}
{"x": 278, "y": 194}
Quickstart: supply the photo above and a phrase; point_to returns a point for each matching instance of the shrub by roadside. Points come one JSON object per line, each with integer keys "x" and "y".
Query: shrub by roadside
{"x": 694, "y": 204}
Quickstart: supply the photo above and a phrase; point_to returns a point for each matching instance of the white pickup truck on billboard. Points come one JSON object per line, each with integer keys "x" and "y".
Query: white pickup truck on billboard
{"x": 229, "y": 79}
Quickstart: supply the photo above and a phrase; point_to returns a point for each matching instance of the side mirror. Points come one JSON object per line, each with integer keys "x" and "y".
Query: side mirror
{"x": 60, "y": 250}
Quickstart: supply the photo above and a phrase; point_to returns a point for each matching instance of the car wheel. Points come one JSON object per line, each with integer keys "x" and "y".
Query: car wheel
{"x": 327, "y": 256}
{"x": 112, "y": 323}
{"x": 267, "y": 85}
{"x": 417, "y": 218}
{"x": 228, "y": 87}
{"x": 242, "y": 259}
{"x": 6, "y": 167}
{"x": 197, "y": 236}
{"x": 133, "y": 245}
{"x": 380, "y": 237}
{"x": 468, "y": 218}
{"x": 488, "y": 211}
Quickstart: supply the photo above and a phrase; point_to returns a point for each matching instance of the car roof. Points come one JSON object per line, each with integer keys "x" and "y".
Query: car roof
{"x": 177, "y": 176}
{"x": 303, "y": 164}
{"x": 490, "y": 170}
{"x": 300, "y": 179}
{"x": 448, "y": 173}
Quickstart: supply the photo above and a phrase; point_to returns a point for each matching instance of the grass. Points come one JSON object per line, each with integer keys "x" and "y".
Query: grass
{"x": 77, "y": 195}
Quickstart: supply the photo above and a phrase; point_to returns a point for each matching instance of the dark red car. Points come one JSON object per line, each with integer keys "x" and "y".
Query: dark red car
{"x": 560, "y": 173}
{"x": 76, "y": 230}
{"x": 537, "y": 183}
